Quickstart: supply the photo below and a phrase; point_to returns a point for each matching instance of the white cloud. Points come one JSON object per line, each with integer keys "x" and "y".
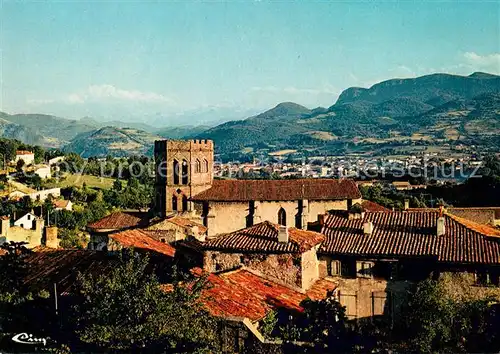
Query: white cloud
{"x": 109, "y": 92}
{"x": 105, "y": 94}
{"x": 488, "y": 62}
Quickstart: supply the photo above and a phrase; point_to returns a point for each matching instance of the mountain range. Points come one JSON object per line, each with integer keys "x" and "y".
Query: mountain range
{"x": 438, "y": 107}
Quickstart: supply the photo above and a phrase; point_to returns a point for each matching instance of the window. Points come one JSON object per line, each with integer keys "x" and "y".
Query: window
{"x": 184, "y": 176}
{"x": 184, "y": 203}
{"x": 364, "y": 269}
{"x": 29, "y": 217}
{"x": 176, "y": 171}
{"x": 197, "y": 167}
{"x": 282, "y": 217}
{"x": 205, "y": 165}
{"x": 174, "y": 203}
{"x": 334, "y": 268}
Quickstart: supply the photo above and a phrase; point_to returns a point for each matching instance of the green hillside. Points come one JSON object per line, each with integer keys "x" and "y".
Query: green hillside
{"x": 113, "y": 141}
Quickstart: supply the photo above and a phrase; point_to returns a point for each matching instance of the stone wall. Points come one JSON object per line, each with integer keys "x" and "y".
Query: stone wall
{"x": 18, "y": 234}
{"x": 285, "y": 268}
{"x": 322, "y": 206}
{"x": 364, "y": 297}
{"x": 225, "y": 217}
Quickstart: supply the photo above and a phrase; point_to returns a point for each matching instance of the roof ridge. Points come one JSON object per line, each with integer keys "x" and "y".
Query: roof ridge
{"x": 484, "y": 230}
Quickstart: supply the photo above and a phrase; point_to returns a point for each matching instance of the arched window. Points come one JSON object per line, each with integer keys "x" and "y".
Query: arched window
{"x": 176, "y": 171}
{"x": 185, "y": 169}
{"x": 197, "y": 167}
{"x": 184, "y": 203}
{"x": 282, "y": 217}
{"x": 174, "y": 203}
{"x": 205, "y": 165}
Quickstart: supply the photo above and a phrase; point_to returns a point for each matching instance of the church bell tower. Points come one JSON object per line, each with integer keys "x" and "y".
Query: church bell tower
{"x": 183, "y": 169}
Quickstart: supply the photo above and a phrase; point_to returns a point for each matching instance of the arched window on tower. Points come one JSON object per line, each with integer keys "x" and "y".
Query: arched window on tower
{"x": 185, "y": 169}
{"x": 197, "y": 167}
{"x": 184, "y": 203}
{"x": 176, "y": 171}
{"x": 205, "y": 165}
{"x": 282, "y": 217}
{"x": 174, "y": 203}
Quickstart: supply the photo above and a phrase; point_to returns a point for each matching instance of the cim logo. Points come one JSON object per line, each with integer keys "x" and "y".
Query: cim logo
{"x": 25, "y": 338}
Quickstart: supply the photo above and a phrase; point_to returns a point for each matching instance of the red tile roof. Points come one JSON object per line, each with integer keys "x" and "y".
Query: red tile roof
{"x": 243, "y": 294}
{"x": 263, "y": 237}
{"x": 24, "y": 152}
{"x": 312, "y": 189}
{"x": 61, "y": 203}
{"x": 368, "y": 205}
{"x": 159, "y": 224}
{"x": 410, "y": 234}
{"x": 61, "y": 266}
{"x": 120, "y": 220}
{"x": 47, "y": 266}
{"x": 141, "y": 240}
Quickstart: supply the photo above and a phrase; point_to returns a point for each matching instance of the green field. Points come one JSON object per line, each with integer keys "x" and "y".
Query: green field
{"x": 77, "y": 180}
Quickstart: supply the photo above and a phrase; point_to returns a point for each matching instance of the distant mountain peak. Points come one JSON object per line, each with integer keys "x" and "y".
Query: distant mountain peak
{"x": 483, "y": 75}
{"x": 285, "y": 109}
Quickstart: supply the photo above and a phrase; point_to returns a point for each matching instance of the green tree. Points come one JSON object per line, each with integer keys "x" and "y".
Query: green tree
{"x": 128, "y": 310}
{"x": 20, "y": 165}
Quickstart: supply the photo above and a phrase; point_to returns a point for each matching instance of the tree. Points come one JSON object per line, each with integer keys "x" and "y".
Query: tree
{"x": 20, "y": 165}
{"x": 436, "y": 321}
{"x": 127, "y": 310}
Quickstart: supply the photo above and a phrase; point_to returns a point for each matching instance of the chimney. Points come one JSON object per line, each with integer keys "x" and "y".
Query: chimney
{"x": 441, "y": 230}
{"x": 51, "y": 240}
{"x": 283, "y": 234}
{"x": 5, "y": 225}
{"x": 321, "y": 219}
{"x": 407, "y": 204}
{"x": 368, "y": 228}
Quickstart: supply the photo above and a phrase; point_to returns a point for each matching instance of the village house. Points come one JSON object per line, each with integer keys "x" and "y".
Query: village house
{"x": 27, "y": 221}
{"x": 29, "y": 229}
{"x": 375, "y": 256}
{"x": 27, "y": 156}
{"x": 62, "y": 204}
{"x": 42, "y": 171}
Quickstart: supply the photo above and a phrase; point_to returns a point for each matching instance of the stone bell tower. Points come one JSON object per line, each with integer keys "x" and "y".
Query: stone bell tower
{"x": 183, "y": 169}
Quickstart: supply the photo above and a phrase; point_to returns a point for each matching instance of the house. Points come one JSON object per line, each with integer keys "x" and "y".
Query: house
{"x": 29, "y": 229}
{"x": 185, "y": 184}
{"x": 43, "y": 171}
{"x": 285, "y": 254}
{"x": 375, "y": 256}
{"x": 132, "y": 238}
{"x": 27, "y": 156}
{"x": 27, "y": 221}
{"x": 402, "y": 185}
{"x": 62, "y": 204}
{"x": 56, "y": 160}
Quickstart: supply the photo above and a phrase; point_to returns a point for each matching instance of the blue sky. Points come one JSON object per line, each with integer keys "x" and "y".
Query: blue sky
{"x": 134, "y": 60}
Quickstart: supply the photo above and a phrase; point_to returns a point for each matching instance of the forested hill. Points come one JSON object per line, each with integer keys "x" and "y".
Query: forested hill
{"x": 441, "y": 107}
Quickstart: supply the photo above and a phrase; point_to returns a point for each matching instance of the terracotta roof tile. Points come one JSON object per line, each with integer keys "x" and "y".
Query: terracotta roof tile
{"x": 368, "y": 205}
{"x": 176, "y": 220}
{"x": 409, "y": 234}
{"x": 244, "y": 294}
{"x": 140, "y": 240}
{"x": 263, "y": 237}
{"x": 61, "y": 203}
{"x": 24, "y": 152}
{"x": 121, "y": 220}
{"x": 312, "y": 189}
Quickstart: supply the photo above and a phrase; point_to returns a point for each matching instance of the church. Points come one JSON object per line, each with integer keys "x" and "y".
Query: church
{"x": 185, "y": 185}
